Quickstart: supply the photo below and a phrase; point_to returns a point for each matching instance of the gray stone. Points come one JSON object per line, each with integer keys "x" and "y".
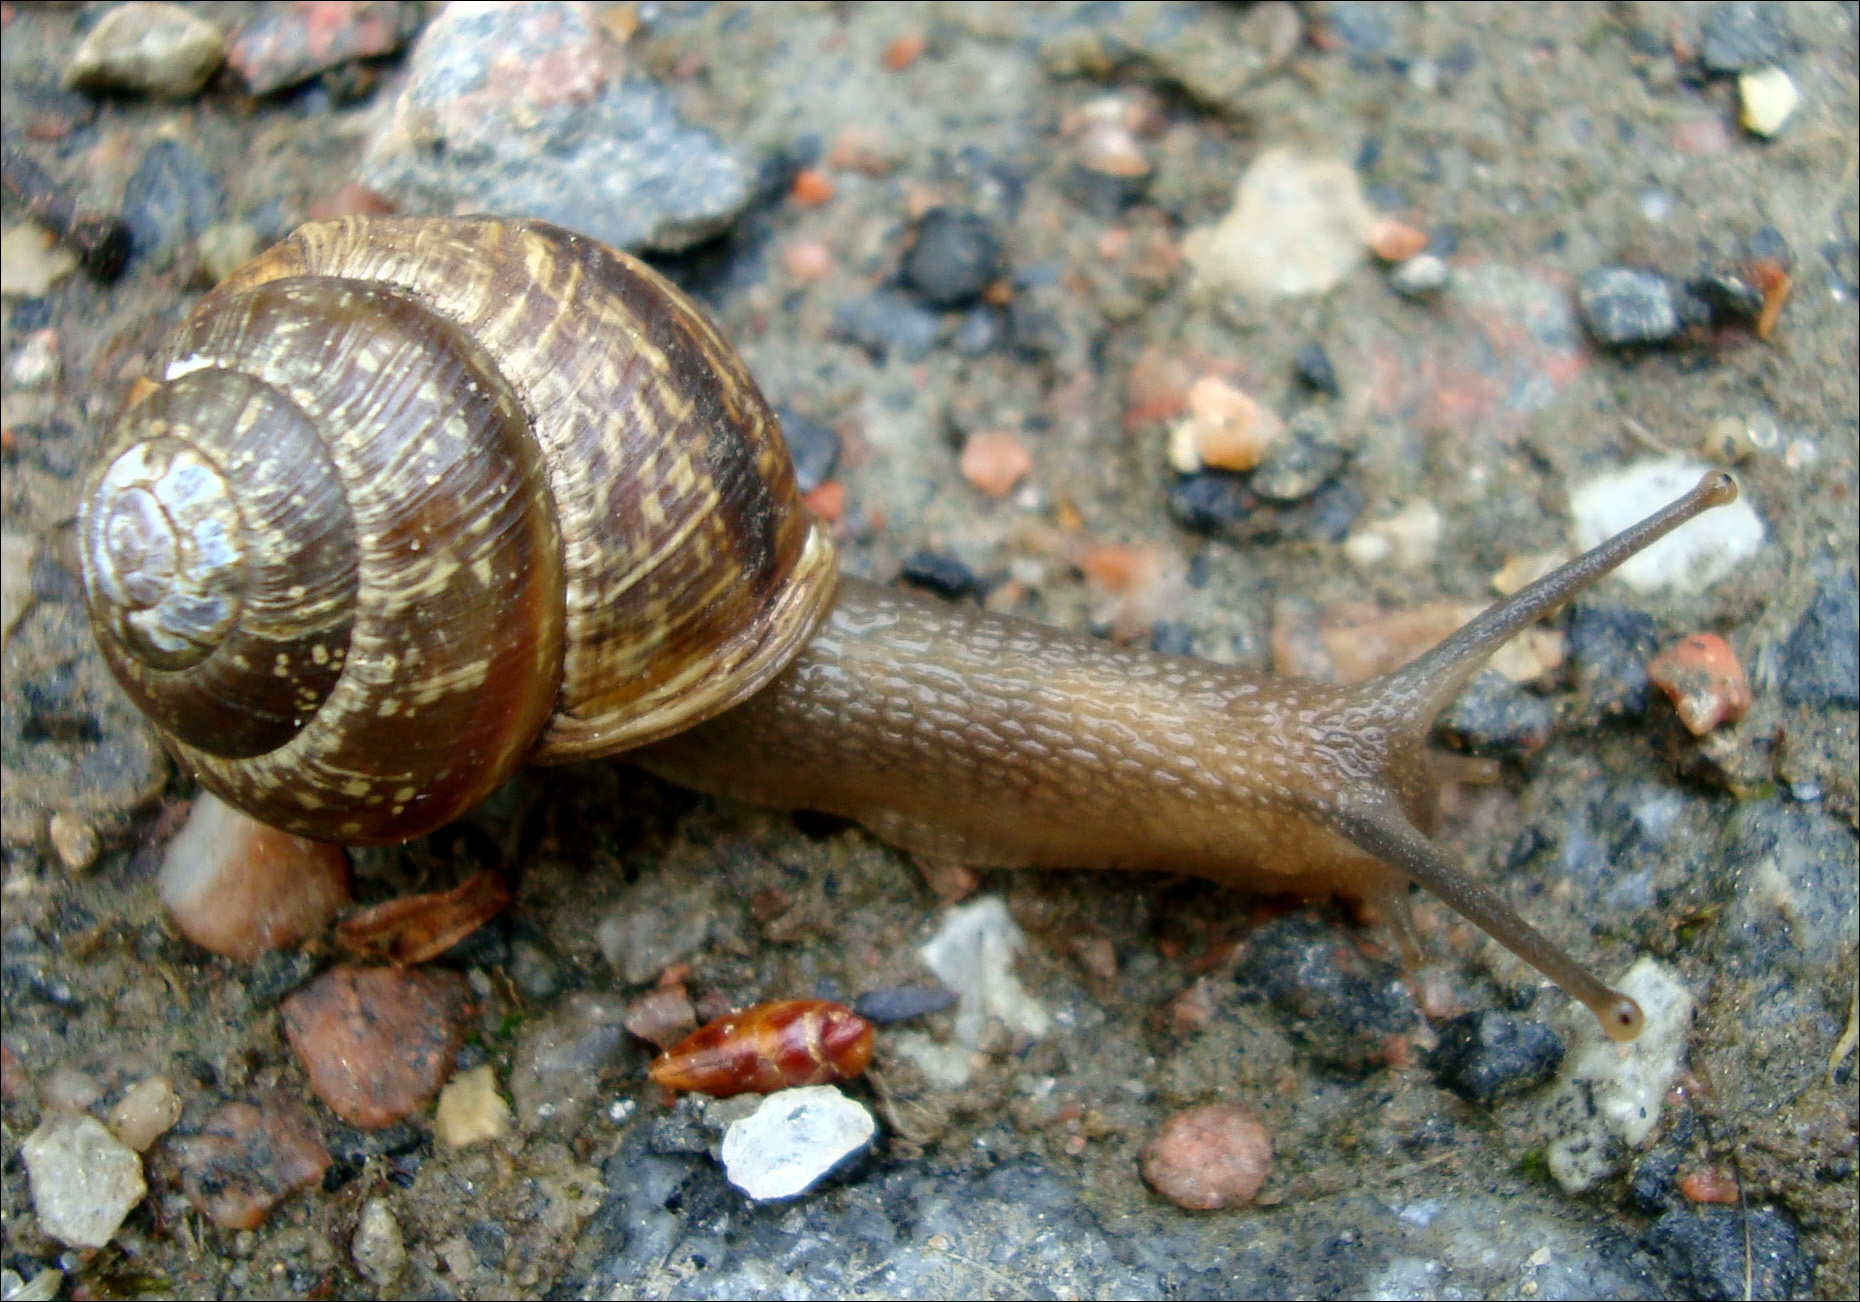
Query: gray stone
{"x": 794, "y": 1140}
{"x": 84, "y": 1179}
{"x": 886, "y": 323}
{"x": 1299, "y": 461}
{"x": 576, "y": 139}
{"x": 1493, "y": 716}
{"x": 1821, "y": 659}
{"x": 1741, "y": 35}
{"x": 148, "y": 49}
{"x": 377, "y": 1249}
{"x": 1623, "y": 306}
{"x": 1704, "y": 1250}
{"x": 955, "y": 257}
{"x": 1421, "y": 276}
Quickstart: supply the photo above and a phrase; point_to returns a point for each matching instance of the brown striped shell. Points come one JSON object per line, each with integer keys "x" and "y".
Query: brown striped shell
{"x": 405, "y": 503}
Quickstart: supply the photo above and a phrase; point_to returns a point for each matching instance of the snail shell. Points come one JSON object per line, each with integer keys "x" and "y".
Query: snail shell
{"x": 408, "y": 503}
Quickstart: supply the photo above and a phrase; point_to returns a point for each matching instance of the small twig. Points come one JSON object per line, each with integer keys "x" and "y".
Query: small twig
{"x": 1643, "y": 436}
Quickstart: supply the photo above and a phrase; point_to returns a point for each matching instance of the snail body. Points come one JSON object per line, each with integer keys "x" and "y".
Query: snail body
{"x": 408, "y": 502}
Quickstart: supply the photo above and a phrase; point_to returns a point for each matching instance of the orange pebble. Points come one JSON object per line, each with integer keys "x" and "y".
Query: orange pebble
{"x": 1704, "y": 679}
{"x": 828, "y": 501}
{"x": 806, "y": 260}
{"x": 811, "y": 187}
{"x": 1709, "y": 1184}
{"x": 994, "y": 461}
{"x": 904, "y": 51}
{"x": 1395, "y": 241}
{"x": 1775, "y": 284}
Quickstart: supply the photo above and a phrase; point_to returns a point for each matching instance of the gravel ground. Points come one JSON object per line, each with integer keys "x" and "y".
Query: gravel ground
{"x": 1534, "y": 145}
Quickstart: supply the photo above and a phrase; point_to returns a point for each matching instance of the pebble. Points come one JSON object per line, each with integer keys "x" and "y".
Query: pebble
{"x": 282, "y": 45}
{"x": 147, "y": 1111}
{"x": 1299, "y": 463}
{"x": 528, "y": 108}
{"x": 1731, "y": 298}
{"x": 944, "y": 575}
{"x": 662, "y": 1017}
{"x": 470, "y": 1110}
{"x": 1172, "y": 638}
{"x": 1820, "y": 662}
{"x": 1485, "y": 1056}
{"x": 1225, "y": 428}
{"x": 1209, "y": 1158}
{"x": 1296, "y": 228}
{"x": 1690, "y": 559}
{"x": 171, "y": 198}
{"x": 995, "y": 461}
{"x": 1705, "y": 681}
{"x": 1395, "y": 241}
{"x": 1766, "y": 100}
{"x": 377, "y": 1249}
{"x": 1420, "y": 277}
{"x": 888, "y": 322}
{"x": 794, "y": 1140}
{"x": 84, "y": 1179}
{"x": 1706, "y": 1250}
{"x": 377, "y": 1043}
{"x": 1709, "y": 1184}
{"x": 35, "y": 365}
{"x": 1740, "y": 35}
{"x": 32, "y": 261}
{"x": 1624, "y": 306}
{"x": 147, "y": 49}
{"x": 890, "y": 1004}
{"x": 74, "y": 840}
{"x": 955, "y": 257}
{"x": 1494, "y": 716}
{"x": 977, "y": 332}
{"x": 1314, "y": 370}
{"x": 239, "y": 887}
{"x": 643, "y": 942}
{"x": 226, "y": 246}
{"x": 556, "y": 1069}
{"x": 42, "y": 1287}
{"x": 807, "y": 260}
{"x": 1611, "y": 646}
{"x": 1349, "y": 1011}
{"x": 1608, "y": 1095}
{"x": 1407, "y": 540}
{"x": 972, "y": 954}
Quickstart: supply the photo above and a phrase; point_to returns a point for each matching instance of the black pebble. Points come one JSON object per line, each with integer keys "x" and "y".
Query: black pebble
{"x": 1339, "y": 1004}
{"x": 1170, "y": 638}
{"x": 1494, "y": 716}
{"x": 1729, "y": 297}
{"x": 1611, "y": 646}
{"x": 902, "y": 1003}
{"x": 814, "y": 448}
{"x": 955, "y": 258}
{"x": 944, "y": 575}
{"x": 1314, "y": 369}
{"x": 1703, "y": 1249}
{"x": 886, "y": 322}
{"x": 1486, "y": 1055}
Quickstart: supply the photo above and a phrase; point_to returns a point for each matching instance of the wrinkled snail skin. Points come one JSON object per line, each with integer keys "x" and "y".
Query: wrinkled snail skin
{"x": 407, "y": 502}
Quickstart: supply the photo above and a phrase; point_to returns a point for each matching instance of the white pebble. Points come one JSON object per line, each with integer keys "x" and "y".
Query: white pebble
{"x": 377, "y": 1248}
{"x": 1408, "y": 539}
{"x": 146, "y": 1112}
{"x": 84, "y": 1179}
{"x": 1607, "y": 1098}
{"x": 1769, "y": 97}
{"x": 470, "y": 1110}
{"x": 1297, "y": 227}
{"x": 789, "y": 1143}
{"x": 1692, "y": 557}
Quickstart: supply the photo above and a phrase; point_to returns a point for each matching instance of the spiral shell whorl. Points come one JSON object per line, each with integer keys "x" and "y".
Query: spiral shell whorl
{"x": 399, "y": 625}
{"x": 692, "y": 571}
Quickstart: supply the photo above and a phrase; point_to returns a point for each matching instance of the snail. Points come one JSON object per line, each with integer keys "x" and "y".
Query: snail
{"x": 408, "y": 502}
